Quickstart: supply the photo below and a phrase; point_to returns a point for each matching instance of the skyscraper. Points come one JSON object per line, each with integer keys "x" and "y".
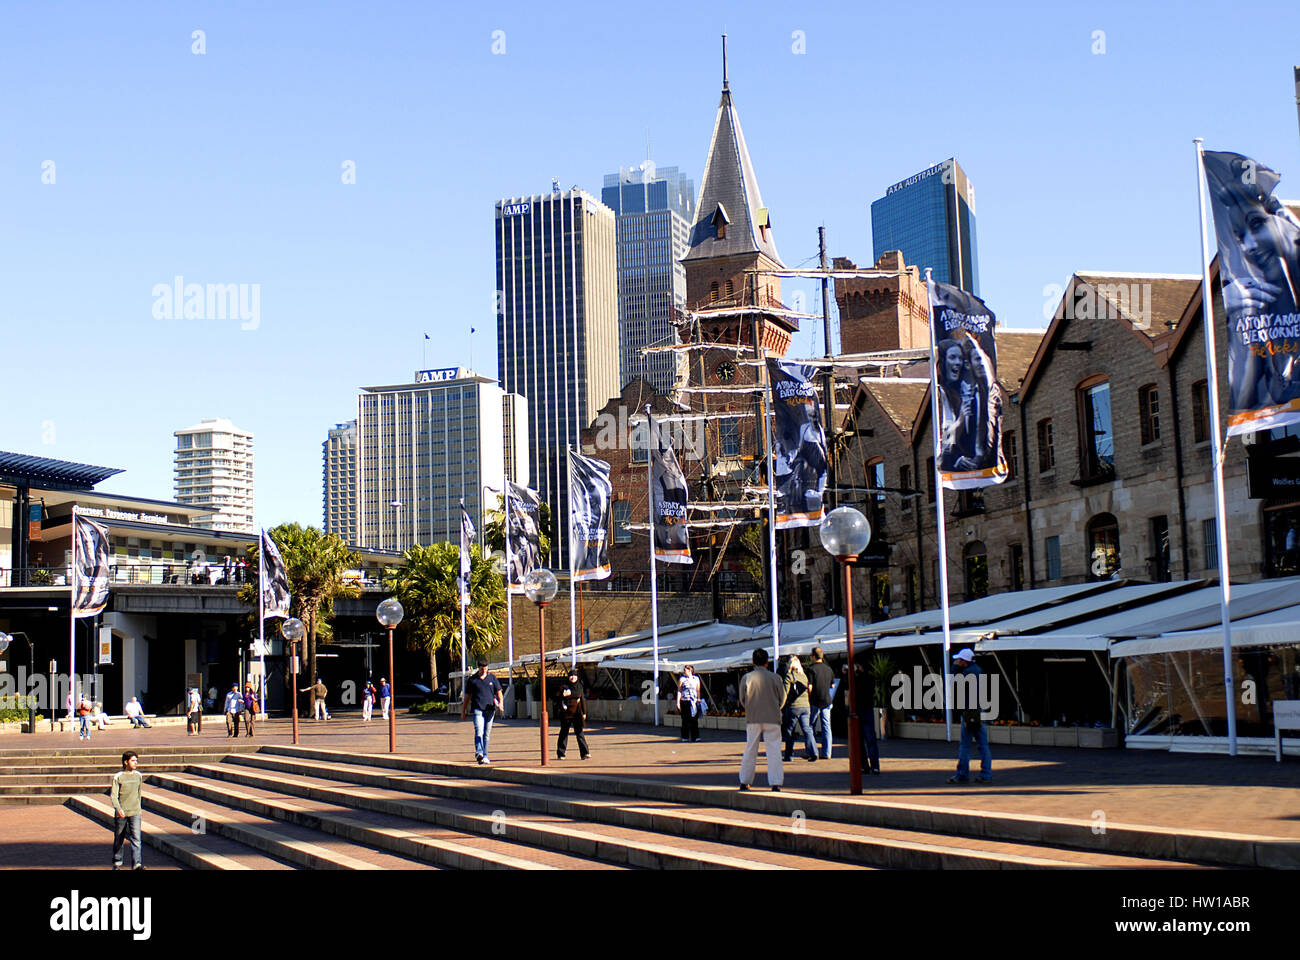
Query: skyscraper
{"x": 557, "y": 329}
{"x": 654, "y": 208}
{"x": 930, "y": 217}
{"x": 340, "y": 481}
{"x": 422, "y": 448}
{"x": 214, "y": 468}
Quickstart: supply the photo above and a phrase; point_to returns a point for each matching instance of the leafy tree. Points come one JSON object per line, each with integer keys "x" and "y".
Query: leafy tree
{"x": 316, "y": 563}
{"x": 425, "y": 584}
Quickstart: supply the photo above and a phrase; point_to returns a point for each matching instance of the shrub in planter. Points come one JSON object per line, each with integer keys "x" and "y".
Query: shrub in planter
{"x": 429, "y": 706}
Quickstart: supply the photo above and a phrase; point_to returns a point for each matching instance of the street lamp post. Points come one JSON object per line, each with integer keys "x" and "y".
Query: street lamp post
{"x": 845, "y": 533}
{"x": 293, "y": 630}
{"x": 540, "y": 587}
{"x": 390, "y": 613}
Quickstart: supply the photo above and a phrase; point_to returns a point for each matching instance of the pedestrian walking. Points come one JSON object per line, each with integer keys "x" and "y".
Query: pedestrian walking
{"x": 483, "y": 696}
{"x": 125, "y": 794}
{"x": 972, "y": 725}
{"x": 868, "y": 748}
{"x": 251, "y": 706}
{"x": 84, "y": 710}
{"x": 761, "y": 696}
{"x": 320, "y": 690}
{"x": 385, "y": 697}
{"x": 234, "y": 707}
{"x": 194, "y": 715}
{"x": 797, "y": 712}
{"x": 690, "y": 702}
{"x": 367, "y": 701}
{"x": 228, "y": 570}
{"x": 821, "y": 694}
{"x": 135, "y": 713}
{"x": 573, "y": 714}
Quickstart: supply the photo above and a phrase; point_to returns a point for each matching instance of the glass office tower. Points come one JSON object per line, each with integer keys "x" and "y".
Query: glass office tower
{"x": 654, "y": 210}
{"x": 930, "y": 217}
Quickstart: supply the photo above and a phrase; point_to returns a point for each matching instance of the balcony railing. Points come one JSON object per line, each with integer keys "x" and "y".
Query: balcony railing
{"x": 156, "y": 573}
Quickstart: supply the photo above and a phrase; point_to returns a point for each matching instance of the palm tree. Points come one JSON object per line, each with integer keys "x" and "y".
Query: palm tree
{"x": 494, "y": 528}
{"x": 426, "y": 586}
{"x": 316, "y": 563}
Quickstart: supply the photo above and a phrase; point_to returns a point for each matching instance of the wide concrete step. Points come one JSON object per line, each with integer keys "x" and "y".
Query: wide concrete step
{"x": 1218, "y": 848}
{"x": 29, "y": 799}
{"x": 796, "y": 835}
{"x": 613, "y": 843}
{"x": 301, "y": 846}
{"x": 198, "y": 851}
{"x": 388, "y": 832}
{"x": 90, "y": 774}
{"x": 89, "y": 753}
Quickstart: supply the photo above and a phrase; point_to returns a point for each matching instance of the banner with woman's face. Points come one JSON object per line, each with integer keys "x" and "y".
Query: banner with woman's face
{"x": 799, "y": 459}
{"x": 1259, "y": 269}
{"x": 524, "y": 533}
{"x": 969, "y": 441}
{"x": 667, "y": 502}
{"x": 589, "y": 495}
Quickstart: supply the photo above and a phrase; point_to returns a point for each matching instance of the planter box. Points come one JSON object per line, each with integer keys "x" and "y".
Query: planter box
{"x": 1042, "y": 736}
{"x": 1098, "y": 738}
{"x": 1065, "y": 736}
{"x": 1021, "y": 736}
{"x": 1000, "y": 735}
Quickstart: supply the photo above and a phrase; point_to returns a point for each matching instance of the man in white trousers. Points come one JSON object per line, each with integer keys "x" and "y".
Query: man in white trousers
{"x": 761, "y": 694}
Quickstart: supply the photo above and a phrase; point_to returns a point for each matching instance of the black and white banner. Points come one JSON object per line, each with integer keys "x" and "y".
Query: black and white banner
{"x": 274, "y": 576}
{"x": 970, "y": 405}
{"x": 466, "y": 538}
{"x": 90, "y": 573}
{"x": 524, "y": 531}
{"x": 590, "y": 492}
{"x": 667, "y": 501}
{"x": 799, "y": 459}
{"x": 1259, "y": 268}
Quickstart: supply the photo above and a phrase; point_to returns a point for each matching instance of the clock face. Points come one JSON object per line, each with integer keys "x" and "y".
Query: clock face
{"x": 726, "y": 371}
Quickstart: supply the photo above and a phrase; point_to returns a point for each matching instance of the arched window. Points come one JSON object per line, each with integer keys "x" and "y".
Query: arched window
{"x": 730, "y": 290}
{"x": 975, "y": 559}
{"x": 713, "y": 292}
{"x": 1103, "y": 546}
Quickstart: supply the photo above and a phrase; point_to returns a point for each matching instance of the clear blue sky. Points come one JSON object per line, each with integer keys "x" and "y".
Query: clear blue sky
{"x": 226, "y": 168}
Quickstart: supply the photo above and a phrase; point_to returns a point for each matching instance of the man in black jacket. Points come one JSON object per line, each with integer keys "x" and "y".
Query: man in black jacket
{"x": 573, "y": 713}
{"x": 821, "y": 694}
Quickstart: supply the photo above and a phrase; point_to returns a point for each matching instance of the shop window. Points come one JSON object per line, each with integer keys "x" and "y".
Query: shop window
{"x": 1096, "y": 439}
{"x": 1103, "y": 546}
{"x": 1159, "y": 559}
{"x": 1282, "y": 540}
{"x": 1149, "y": 413}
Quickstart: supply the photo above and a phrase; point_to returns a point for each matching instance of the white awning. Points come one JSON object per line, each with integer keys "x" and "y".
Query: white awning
{"x": 1275, "y": 628}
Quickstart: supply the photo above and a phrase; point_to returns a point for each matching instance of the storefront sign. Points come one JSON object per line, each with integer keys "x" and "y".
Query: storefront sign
{"x": 1273, "y": 477}
{"x": 437, "y": 376}
{"x": 111, "y": 514}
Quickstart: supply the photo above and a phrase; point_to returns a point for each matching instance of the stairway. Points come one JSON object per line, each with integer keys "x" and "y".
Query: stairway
{"x": 285, "y": 807}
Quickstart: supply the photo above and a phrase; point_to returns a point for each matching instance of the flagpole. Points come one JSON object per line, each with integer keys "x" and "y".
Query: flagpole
{"x": 771, "y": 514}
{"x": 654, "y": 569}
{"x": 261, "y": 614}
{"x": 573, "y": 572}
{"x": 464, "y": 546}
{"x": 936, "y": 430}
{"x": 510, "y": 607}
{"x": 1216, "y": 439}
{"x": 72, "y": 623}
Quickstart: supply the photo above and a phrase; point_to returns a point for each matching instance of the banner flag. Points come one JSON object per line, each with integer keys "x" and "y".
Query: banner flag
{"x": 466, "y": 538}
{"x": 799, "y": 457}
{"x": 274, "y": 577}
{"x": 524, "y": 533}
{"x": 668, "y": 494}
{"x": 90, "y": 573}
{"x": 590, "y": 492}
{"x": 1259, "y": 271}
{"x": 966, "y": 367}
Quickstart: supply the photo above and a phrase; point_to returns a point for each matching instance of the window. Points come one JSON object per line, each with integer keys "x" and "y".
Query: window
{"x": 969, "y": 501}
{"x": 929, "y": 479}
{"x": 1011, "y": 453}
{"x": 905, "y": 484}
{"x": 729, "y": 437}
{"x": 730, "y": 290}
{"x": 1103, "y": 546}
{"x": 976, "y": 561}
{"x": 1046, "y": 452}
{"x": 713, "y": 292}
{"x": 1052, "y": 551}
{"x": 911, "y": 584}
{"x": 639, "y": 444}
{"x": 1159, "y": 559}
{"x": 1200, "y": 412}
{"x": 1210, "y": 537}
{"x": 1097, "y": 456}
{"x": 622, "y": 517}
{"x": 1149, "y": 413}
{"x": 1017, "y": 564}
